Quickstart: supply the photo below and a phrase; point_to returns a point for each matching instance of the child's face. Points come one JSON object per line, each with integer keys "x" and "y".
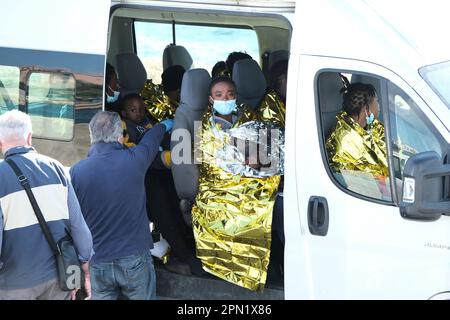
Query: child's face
{"x": 135, "y": 111}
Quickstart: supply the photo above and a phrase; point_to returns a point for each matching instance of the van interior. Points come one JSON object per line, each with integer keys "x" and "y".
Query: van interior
{"x": 143, "y": 42}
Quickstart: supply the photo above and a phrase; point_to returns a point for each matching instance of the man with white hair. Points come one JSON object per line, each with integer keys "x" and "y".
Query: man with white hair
{"x": 27, "y": 263}
{"x": 109, "y": 184}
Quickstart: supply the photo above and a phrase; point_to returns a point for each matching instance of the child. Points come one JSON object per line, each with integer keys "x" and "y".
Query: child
{"x": 136, "y": 122}
{"x": 135, "y": 119}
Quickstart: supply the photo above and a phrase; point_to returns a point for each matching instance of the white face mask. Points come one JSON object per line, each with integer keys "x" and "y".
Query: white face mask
{"x": 224, "y": 107}
{"x": 114, "y": 98}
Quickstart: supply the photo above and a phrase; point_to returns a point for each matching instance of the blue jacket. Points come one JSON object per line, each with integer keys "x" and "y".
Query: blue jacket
{"x": 25, "y": 256}
{"x": 110, "y": 187}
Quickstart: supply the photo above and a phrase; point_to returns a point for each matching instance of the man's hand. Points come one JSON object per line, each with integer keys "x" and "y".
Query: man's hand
{"x": 87, "y": 283}
{"x": 87, "y": 280}
{"x": 73, "y": 294}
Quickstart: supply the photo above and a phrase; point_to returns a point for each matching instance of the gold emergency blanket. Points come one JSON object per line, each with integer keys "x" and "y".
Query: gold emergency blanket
{"x": 232, "y": 215}
{"x": 273, "y": 109}
{"x": 158, "y": 104}
{"x": 350, "y": 147}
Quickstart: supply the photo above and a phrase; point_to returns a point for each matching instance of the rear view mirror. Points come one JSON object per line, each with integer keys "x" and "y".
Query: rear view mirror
{"x": 423, "y": 196}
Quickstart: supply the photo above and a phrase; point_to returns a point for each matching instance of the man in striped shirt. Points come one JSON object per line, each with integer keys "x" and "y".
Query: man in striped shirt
{"x": 27, "y": 264}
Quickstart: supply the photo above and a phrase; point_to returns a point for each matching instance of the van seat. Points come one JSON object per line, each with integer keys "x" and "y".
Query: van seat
{"x": 330, "y": 100}
{"x": 193, "y": 103}
{"x": 176, "y": 55}
{"x": 250, "y": 82}
{"x": 131, "y": 72}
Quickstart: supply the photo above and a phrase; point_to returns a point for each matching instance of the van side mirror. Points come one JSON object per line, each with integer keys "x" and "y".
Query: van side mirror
{"x": 424, "y": 182}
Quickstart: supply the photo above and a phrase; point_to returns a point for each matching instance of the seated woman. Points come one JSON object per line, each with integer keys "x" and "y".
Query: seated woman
{"x": 278, "y": 79}
{"x": 357, "y": 143}
{"x": 232, "y": 214}
{"x": 273, "y": 105}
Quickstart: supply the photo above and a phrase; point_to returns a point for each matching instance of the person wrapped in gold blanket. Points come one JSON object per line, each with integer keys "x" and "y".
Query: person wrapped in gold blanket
{"x": 162, "y": 100}
{"x": 232, "y": 214}
{"x": 357, "y": 143}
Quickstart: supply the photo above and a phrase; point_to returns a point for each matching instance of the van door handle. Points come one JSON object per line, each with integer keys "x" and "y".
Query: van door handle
{"x": 318, "y": 217}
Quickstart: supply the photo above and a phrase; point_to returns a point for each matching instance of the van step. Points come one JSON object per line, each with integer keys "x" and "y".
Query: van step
{"x": 176, "y": 286}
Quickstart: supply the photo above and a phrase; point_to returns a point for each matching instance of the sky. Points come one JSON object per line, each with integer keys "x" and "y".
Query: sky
{"x": 206, "y": 45}
{"x": 426, "y": 24}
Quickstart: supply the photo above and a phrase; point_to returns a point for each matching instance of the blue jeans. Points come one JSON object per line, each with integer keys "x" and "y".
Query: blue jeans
{"x": 132, "y": 278}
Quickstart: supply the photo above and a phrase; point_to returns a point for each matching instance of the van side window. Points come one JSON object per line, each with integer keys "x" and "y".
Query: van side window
{"x": 205, "y": 44}
{"x": 353, "y": 133}
{"x": 9, "y": 88}
{"x": 51, "y": 98}
{"x": 410, "y": 133}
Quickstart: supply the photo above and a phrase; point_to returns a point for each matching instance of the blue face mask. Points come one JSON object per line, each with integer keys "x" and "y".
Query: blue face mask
{"x": 224, "y": 107}
{"x": 370, "y": 119}
{"x": 114, "y": 98}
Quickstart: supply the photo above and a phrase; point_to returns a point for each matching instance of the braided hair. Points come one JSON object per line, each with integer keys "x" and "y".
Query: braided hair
{"x": 356, "y": 96}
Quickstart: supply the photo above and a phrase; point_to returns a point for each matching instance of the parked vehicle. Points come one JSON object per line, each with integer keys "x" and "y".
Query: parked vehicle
{"x": 344, "y": 240}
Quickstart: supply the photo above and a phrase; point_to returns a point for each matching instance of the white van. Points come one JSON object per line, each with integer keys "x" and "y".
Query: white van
{"x": 344, "y": 240}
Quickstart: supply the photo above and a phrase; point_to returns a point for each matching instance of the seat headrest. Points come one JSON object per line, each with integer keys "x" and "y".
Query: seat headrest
{"x": 194, "y": 89}
{"x": 366, "y": 79}
{"x": 131, "y": 72}
{"x": 330, "y": 84}
{"x": 250, "y": 82}
{"x": 330, "y": 98}
{"x": 176, "y": 55}
{"x": 276, "y": 56}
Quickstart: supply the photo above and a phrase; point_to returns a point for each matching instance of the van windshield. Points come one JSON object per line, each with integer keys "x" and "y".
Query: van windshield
{"x": 438, "y": 77}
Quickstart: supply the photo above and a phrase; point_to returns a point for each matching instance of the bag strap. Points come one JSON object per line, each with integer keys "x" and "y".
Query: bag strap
{"x": 26, "y": 185}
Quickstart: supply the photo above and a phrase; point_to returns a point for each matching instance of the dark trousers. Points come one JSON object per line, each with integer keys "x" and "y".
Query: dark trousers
{"x": 164, "y": 210}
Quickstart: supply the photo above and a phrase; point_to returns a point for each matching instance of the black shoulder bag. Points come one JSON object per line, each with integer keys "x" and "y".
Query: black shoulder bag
{"x": 70, "y": 275}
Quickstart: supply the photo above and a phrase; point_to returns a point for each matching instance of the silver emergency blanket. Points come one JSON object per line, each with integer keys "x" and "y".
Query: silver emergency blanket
{"x": 253, "y": 149}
